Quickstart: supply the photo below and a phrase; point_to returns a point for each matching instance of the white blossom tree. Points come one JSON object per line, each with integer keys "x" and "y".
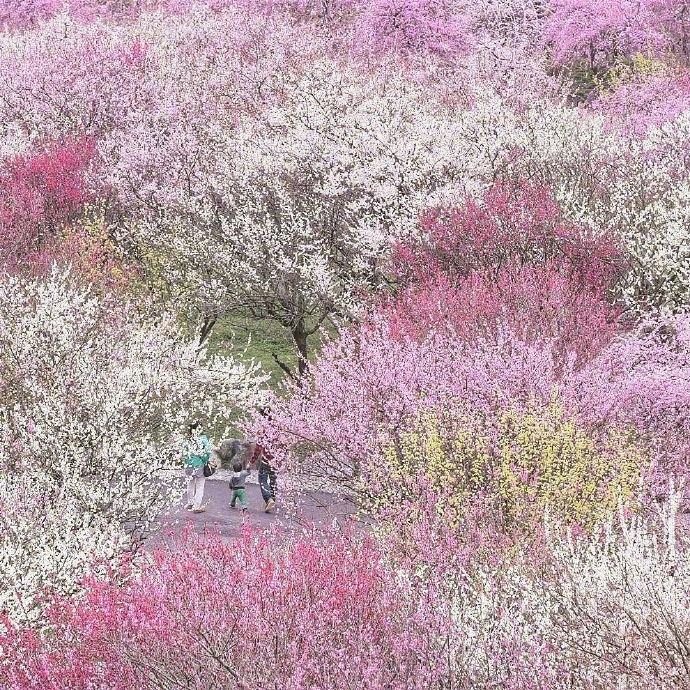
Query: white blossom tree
{"x": 617, "y": 605}
{"x": 94, "y": 399}
{"x": 297, "y": 213}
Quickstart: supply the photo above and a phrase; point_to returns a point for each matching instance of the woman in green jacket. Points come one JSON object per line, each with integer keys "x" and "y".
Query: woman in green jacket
{"x": 197, "y": 449}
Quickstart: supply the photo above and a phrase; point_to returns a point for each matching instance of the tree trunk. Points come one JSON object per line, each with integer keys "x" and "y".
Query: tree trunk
{"x": 206, "y": 328}
{"x": 299, "y": 335}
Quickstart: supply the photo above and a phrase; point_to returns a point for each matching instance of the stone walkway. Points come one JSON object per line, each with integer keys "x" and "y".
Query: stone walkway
{"x": 319, "y": 509}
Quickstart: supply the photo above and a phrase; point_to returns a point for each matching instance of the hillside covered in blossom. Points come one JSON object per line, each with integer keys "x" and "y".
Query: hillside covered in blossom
{"x": 468, "y": 224}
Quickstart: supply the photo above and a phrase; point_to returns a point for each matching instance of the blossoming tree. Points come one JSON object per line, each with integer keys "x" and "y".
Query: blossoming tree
{"x": 95, "y": 395}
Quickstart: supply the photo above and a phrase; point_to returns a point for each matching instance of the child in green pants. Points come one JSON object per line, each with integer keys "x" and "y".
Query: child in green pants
{"x": 238, "y": 485}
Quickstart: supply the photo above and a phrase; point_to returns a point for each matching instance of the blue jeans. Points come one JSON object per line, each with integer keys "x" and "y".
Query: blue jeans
{"x": 267, "y": 483}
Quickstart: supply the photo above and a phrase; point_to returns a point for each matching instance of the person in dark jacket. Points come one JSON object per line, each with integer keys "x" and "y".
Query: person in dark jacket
{"x": 261, "y": 459}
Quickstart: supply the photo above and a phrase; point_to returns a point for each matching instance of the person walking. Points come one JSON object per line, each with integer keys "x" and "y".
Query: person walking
{"x": 238, "y": 485}
{"x": 268, "y": 479}
{"x": 197, "y": 449}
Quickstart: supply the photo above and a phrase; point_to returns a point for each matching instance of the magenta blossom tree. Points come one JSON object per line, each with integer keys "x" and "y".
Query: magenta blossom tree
{"x": 508, "y": 261}
{"x": 41, "y": 194}
{"x": 515, "y": 223}
{"x": 600, "y": 33}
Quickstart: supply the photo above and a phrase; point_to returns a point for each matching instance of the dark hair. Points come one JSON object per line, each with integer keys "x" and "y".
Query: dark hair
{"x": 194, "y": 425}
{"x": 237, "y": 466}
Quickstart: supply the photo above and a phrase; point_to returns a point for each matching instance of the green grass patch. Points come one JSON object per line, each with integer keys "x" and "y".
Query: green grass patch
{"x": 247, "y": 339}
{"x": 260, "y": 340}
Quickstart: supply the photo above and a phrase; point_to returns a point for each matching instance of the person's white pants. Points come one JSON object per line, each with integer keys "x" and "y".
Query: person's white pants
{"x": 195, "y": 491}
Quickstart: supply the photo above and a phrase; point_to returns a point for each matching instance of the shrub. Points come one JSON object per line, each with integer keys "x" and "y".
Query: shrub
{"x": 40, "y": 195}
{"x": 309, "y": 612}
{"x": 523, "y": 464}
{"x": 429, "y": 607}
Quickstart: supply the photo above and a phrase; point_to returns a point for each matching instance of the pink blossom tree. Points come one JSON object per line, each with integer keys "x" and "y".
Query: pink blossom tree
{"x": 429, "y": 606}
{"x": 600, "y": 34}
{"x": 603, "y": 34}
{"x": 317, "y": 611}
{"x": 646, "y": 101}
{"x": 511, "y": 261}
{"x": 641, "y": 382}
{"x": 42, "y": 193}
{"x": 516, "y": 223}
{"x": 413, "y": 28}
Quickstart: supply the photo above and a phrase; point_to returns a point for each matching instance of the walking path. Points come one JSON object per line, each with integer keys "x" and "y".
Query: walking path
{"x": 319, "y": 509}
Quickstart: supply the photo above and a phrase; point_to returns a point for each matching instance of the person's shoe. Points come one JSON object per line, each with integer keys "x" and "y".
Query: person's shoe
{"x": 232, "y": 505}
{"x": 201, "y": 509}
{"x": 189, "y": 506}
{"x": 270, "y": 504}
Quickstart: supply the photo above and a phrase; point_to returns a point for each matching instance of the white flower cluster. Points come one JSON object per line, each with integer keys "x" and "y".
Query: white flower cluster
{"x": 608, "y": 611}
{"x": 298, "y": 209}
{"x": 94, "y": 398}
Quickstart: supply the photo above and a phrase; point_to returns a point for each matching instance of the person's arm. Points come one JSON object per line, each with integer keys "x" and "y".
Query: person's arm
{"x": 207, "y": 448}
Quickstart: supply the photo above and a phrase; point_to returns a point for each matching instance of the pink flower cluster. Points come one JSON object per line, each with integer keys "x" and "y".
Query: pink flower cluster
{"x": 511, "y": 262}
{"x": 40, "y": 195}
{"x": 316, "y": 611}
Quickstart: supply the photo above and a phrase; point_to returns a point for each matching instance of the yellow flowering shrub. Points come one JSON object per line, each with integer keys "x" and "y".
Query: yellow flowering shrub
{"x": 548, "y": 461}
{"x": 528, "y": 463}
{"x": 456, "y": 462}
{"x": 626, "y": 70}
{"x": 95, "y": 256}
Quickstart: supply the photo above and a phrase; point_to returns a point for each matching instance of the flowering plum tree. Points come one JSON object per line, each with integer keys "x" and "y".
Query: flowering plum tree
{"x": 413, "y": 28}
{"x": 534, "y": 303}
{"x": 433, "y": 606}
{"x": 621, "y": 611}
{"x": 515, "y": 261}
{"x": 581, "y": 28}
{"x": 641, "y": 382}
{"x": 93, "y": 393}
{"x": 586, "y": 29}
{"x": 41, "y": 193}
{"x": 370, "y": 390}
{"x": 294, "y": 220}
{"x": 646, "y": 101}
{"x": 301, "y": 639}
{"x": 514, "y": 224}
{"x": 367, "y": 389}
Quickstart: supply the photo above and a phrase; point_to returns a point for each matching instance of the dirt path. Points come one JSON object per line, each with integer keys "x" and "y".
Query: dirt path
{"x": 319, "y": 509}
